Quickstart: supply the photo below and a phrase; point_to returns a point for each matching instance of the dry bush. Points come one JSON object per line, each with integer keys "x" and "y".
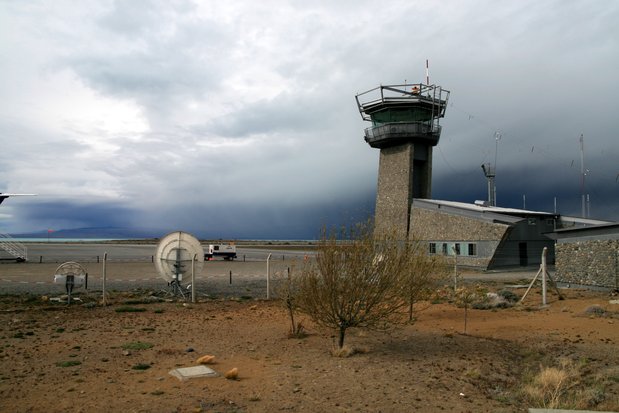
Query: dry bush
{"x": 424, "y": 274}
{"x": 287, "y": 291}
{"x": 469, "y": 296}
{"x": 551, "y": 387}
{"x": 356, "y": 281}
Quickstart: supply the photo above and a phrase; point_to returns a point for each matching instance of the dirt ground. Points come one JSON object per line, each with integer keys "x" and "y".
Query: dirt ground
{"x": 58, "y": 358}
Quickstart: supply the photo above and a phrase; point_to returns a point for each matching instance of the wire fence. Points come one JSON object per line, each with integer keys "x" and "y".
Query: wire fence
{"x": 218, "y": 278}
{"x": 41, "y": 259}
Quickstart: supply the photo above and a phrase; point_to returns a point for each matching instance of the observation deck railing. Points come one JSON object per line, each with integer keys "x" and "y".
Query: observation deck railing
{"x": 389, "y": 133}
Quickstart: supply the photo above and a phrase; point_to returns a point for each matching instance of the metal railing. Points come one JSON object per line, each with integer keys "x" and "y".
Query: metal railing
{"x": 14, "y": 248}
{"x": 403, "y": 130}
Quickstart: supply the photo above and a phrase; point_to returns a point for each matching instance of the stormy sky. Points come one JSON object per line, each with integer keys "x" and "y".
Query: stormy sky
{"x": 238, "y": 120}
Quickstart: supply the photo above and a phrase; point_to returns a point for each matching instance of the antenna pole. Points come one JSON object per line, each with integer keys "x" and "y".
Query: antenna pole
{"x": 582, "y": 175}
{"x": 497, "y": 138}
{"x": 427, "y": 74}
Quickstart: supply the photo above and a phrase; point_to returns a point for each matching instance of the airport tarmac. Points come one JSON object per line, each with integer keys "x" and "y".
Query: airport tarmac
{"x": 131, "y": 267}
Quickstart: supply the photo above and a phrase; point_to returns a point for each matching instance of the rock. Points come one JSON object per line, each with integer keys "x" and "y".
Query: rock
{"x": 208, "y": 359}
{"x": 232, "y": 374}
{"x": 189, "y": 350}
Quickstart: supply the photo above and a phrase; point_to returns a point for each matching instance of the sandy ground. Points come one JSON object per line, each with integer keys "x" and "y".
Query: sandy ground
{"x": 429, "y": 366}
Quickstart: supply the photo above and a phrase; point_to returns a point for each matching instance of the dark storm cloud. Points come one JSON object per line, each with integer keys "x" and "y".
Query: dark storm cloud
{"x": 240, "y": 118}
{"x": 43, "y": 214}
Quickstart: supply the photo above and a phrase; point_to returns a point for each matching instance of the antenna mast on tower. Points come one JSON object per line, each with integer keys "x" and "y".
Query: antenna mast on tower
{"x": 490, "y": 172}
{"x": 583, "y": 173}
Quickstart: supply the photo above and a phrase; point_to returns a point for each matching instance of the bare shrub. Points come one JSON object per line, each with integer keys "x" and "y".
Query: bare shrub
{"x": 287, "y": 292}
{"x": 356, "y": 281}
{"x": 470, "y": 296}
{"x": 423, "y": 275}
{"x": 550, "y": 387}
{"x": 595, "y": 310}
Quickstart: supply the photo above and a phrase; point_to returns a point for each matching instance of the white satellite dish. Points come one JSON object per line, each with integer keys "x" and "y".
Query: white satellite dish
{"x": 174, "y": 256}
{"x": 71, "y": 274}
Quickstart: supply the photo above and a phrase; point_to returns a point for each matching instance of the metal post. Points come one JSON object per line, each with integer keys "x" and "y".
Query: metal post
{"x": 455, "y": 268}
{"x": 193, "y": 278}
{"x": 544, "y": 275}
{"x": 69, "y": 283}
{"x": 104, "y": 277}
{"x": 268, "y": 277}
{"x": 230, "y": 277}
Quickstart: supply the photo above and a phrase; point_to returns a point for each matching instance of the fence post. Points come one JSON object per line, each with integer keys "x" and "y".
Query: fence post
{"x": 544, "y": 275}
{"x": 268, "y": 276}
{"x": 104, "y": 278}
{"x": 193, "y": 278}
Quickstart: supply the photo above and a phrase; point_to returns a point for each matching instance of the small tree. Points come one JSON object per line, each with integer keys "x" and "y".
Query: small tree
{"x": 354, "y": 282}
{"x": 287, "y": 292}
{"x": 467, "y": 296}
{"x": 422, "y": 276}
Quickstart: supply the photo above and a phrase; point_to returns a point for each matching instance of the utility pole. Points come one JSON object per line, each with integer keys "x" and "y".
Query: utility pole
{"x": 582, "y": 176}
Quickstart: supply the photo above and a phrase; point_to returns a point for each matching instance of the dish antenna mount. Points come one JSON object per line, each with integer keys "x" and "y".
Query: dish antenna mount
{"x": 178, "y": 253}
{"x": 72, "y": 275}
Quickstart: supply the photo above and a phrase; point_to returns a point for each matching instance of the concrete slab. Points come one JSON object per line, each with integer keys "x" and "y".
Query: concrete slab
{"x": 185, "y": 373}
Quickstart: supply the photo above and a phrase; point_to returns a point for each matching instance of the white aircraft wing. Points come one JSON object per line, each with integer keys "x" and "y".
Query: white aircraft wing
{"x": 4, "y": 196}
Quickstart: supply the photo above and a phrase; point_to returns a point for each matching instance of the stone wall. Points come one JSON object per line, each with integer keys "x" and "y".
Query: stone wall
{"x": 437, "y": 226}
{"x": 433, "y": 226}
{"x": 589, "y": 262}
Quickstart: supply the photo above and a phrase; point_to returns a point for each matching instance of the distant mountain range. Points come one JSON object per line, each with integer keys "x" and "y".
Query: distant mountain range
{"x": 85, "y": 233}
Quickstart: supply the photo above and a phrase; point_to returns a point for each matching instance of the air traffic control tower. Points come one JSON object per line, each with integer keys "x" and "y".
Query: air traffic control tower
{"x": 405, "y": 126}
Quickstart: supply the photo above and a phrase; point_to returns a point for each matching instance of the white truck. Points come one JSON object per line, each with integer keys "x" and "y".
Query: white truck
{"x": 227, "y": 251}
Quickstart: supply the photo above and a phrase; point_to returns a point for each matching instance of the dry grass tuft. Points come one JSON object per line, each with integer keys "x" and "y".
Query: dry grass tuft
{"x": 550, "y": 388}
{"x": 347, "y": 351}
{"x": 298, "y": 331}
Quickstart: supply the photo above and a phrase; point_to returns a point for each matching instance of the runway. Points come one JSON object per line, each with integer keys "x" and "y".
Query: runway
{"x": 87, "y": 252}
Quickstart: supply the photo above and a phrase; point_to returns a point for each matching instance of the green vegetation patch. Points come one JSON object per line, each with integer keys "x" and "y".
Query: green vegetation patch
{"x": 137, "y": 345}
{"x": 141, "y": 366}
{"x": 129, "y": 309}
{"x": 69, "y": 363}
